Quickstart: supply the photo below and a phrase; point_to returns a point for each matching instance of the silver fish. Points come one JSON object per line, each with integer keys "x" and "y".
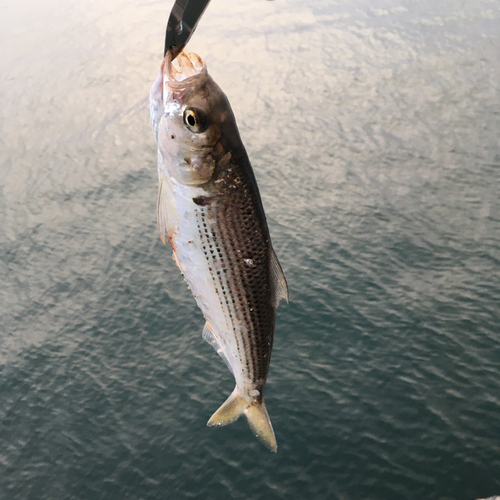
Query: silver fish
{"x": 210, "y": 210}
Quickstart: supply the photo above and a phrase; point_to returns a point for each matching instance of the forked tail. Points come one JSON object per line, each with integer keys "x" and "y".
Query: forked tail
{"x": 256, "y": 414}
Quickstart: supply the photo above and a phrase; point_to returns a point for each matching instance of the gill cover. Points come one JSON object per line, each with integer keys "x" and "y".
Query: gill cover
{"x": 187, "y": 130}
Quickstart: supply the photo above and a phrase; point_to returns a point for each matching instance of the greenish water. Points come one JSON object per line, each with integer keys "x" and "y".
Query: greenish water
{"x": 373, "y": 129}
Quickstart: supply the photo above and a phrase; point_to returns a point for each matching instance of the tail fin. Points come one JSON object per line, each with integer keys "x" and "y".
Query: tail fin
{"x": 256, "y": 414}
{"x": 261, "y": 425}
{"x": 230, "y": 411}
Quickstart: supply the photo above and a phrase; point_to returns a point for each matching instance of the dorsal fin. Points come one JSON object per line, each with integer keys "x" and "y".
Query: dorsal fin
{"x": 279, "y": 288}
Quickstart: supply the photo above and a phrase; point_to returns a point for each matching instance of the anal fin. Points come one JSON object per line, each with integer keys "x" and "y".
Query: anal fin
{"x": 209, "y": 337}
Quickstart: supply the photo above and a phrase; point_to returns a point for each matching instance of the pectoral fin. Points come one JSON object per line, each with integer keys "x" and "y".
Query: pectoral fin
{"x": 162, "y": 209}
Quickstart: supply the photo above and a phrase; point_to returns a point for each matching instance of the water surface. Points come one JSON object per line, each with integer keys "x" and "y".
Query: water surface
{"x": 373, "y": 129}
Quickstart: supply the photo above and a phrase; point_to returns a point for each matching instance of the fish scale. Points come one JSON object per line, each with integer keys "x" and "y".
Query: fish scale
{"x": 236, "y": 284}
{"x": 218, "y": 271}
{"x": 210, "y": 207}
{"x": 247, "y": 285}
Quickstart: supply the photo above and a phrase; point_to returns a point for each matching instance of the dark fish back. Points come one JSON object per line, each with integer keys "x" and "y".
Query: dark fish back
{"x": 244, "y": 236}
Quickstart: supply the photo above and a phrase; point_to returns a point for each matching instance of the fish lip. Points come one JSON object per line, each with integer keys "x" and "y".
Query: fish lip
{"x": 172, "y": 75}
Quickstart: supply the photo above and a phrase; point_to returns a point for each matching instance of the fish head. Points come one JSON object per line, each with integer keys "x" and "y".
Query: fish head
{"x": 188, "y": 133}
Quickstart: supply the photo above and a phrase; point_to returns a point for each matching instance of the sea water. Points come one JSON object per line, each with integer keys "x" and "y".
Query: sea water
{"x": 374, "y": 131}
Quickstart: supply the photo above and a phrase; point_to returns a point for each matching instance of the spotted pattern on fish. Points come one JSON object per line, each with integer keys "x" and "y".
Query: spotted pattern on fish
{"x": 210, "y": 207}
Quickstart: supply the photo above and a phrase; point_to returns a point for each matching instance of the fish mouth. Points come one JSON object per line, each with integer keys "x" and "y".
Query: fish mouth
{"x": 185, "y": 68}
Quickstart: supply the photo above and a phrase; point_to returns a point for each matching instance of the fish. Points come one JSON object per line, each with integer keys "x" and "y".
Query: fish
{"x": 211, "y": 213}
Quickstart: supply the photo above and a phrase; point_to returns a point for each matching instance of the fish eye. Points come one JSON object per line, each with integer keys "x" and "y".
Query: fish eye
{"x": 195, "y": 120}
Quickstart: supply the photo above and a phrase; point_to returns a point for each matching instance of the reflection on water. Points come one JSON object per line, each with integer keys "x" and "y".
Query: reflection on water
{"x": 373, "y": 131}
